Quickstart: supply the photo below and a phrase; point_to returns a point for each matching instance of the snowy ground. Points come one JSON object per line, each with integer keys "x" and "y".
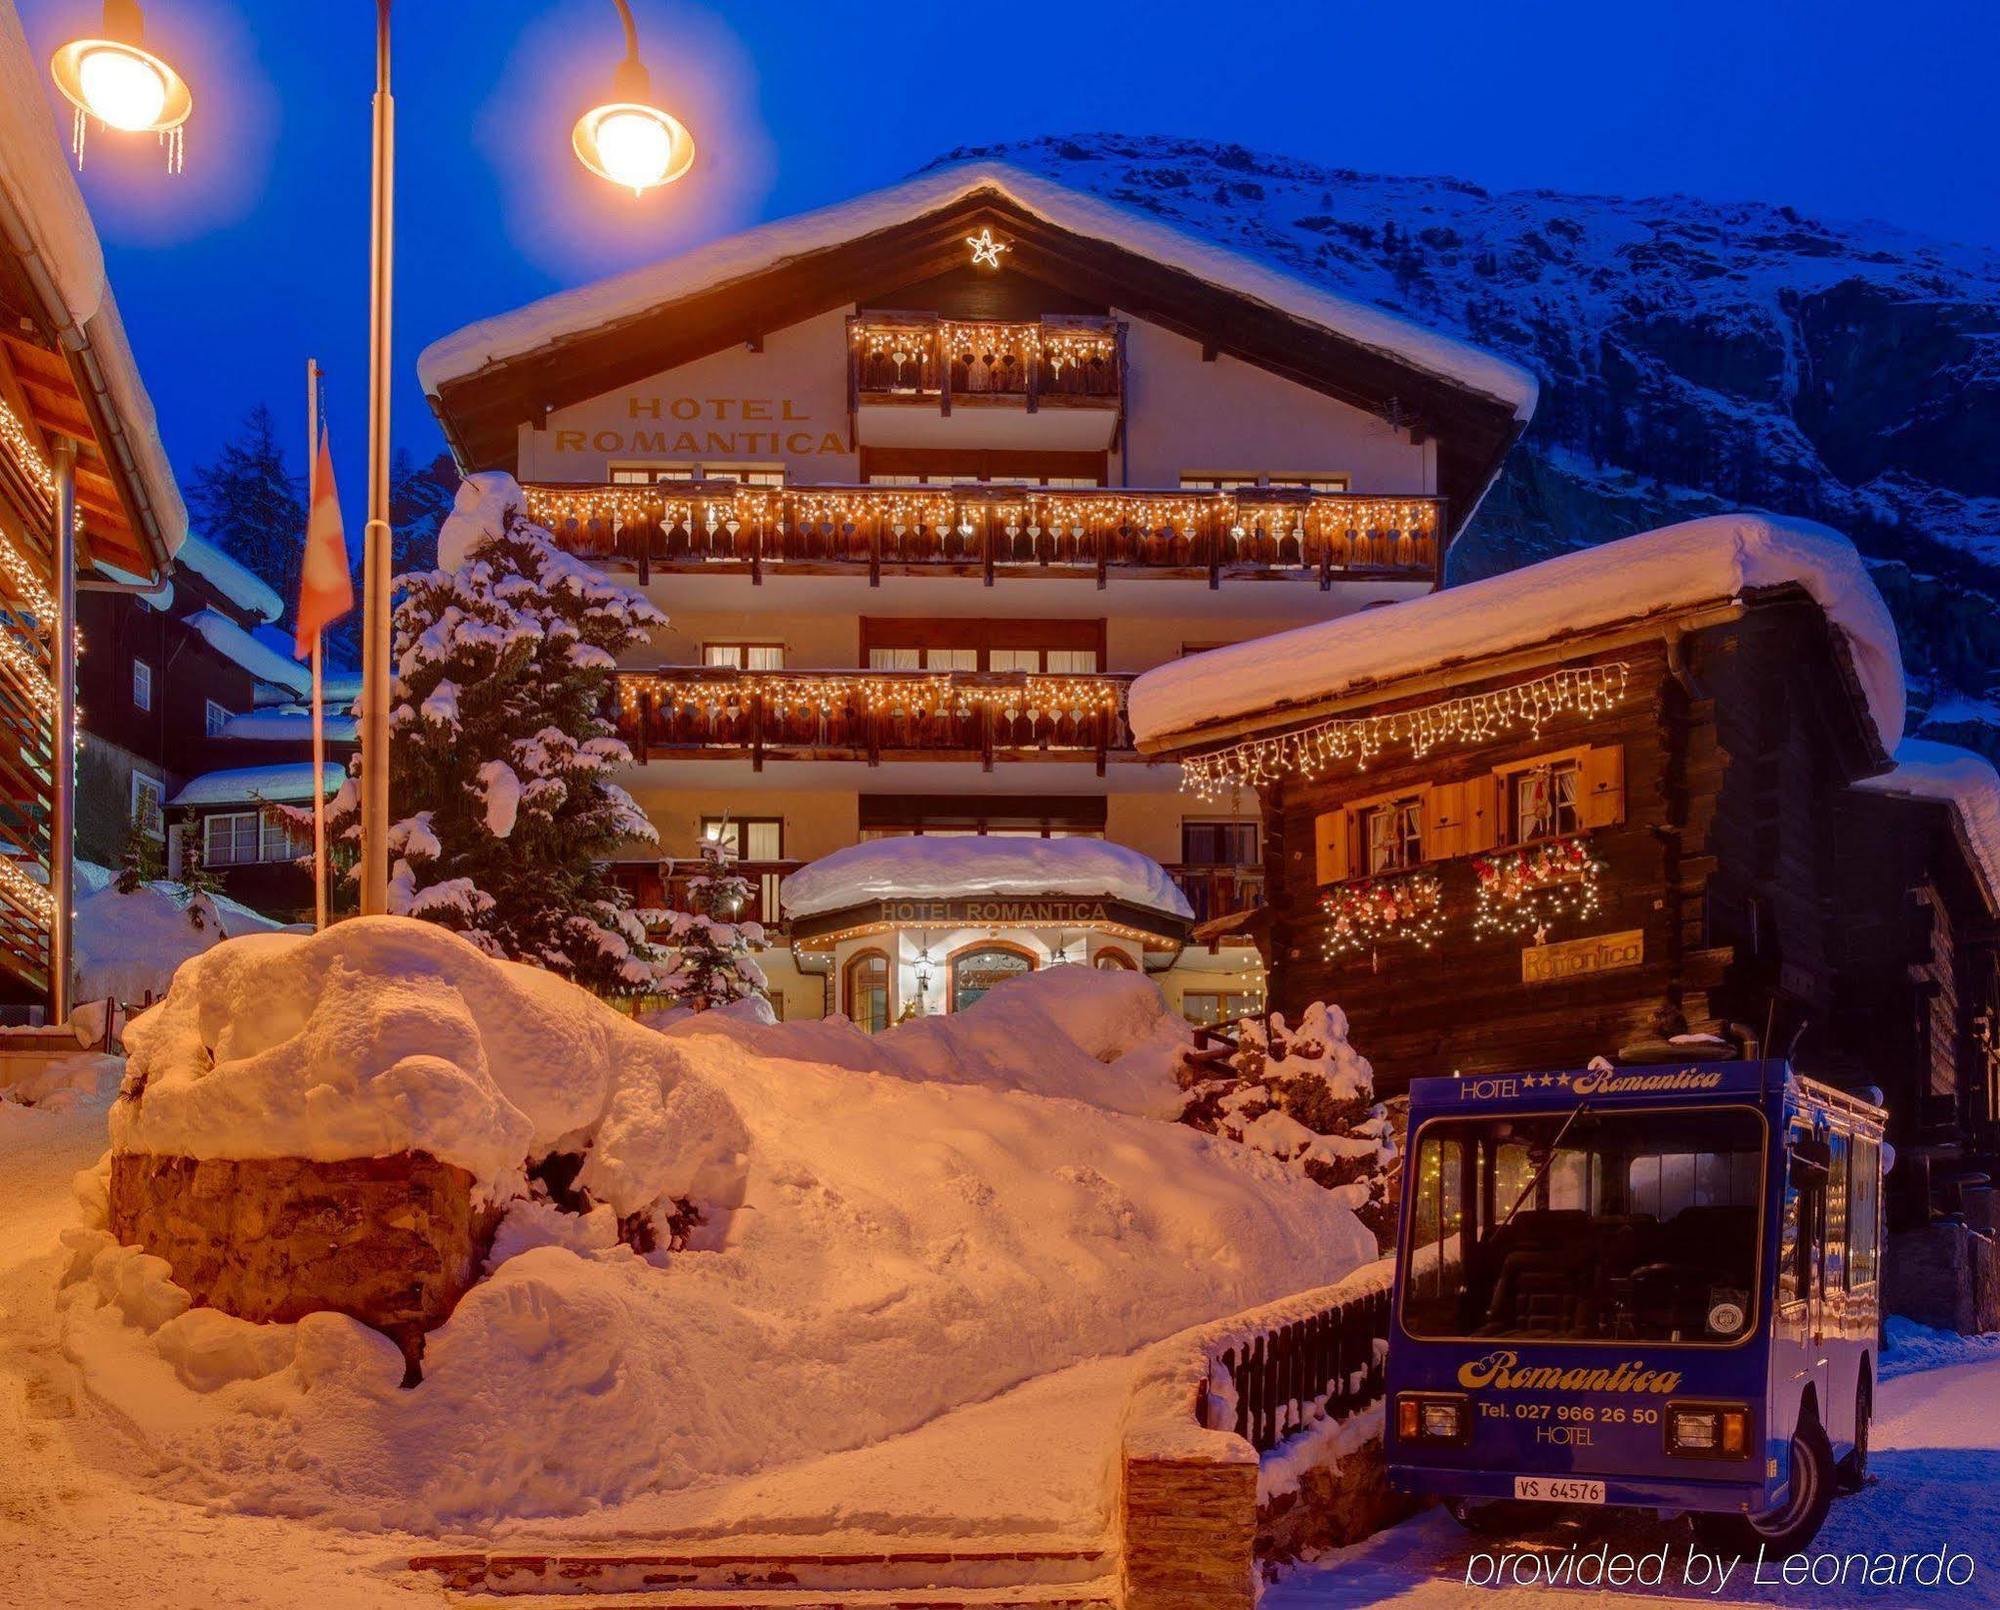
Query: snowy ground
{"x": 1934, "y": 1482}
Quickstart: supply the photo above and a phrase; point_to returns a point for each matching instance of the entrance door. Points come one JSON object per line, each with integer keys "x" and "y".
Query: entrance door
{"x": 978, "y": 969}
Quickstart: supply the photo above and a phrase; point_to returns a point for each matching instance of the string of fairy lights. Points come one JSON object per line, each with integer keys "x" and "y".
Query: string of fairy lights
{"x": 909, "y": 343}
{"x": 920, "y": 695}
{"x": 22, "y": 580}
{"x": 1311, "y": 751}
{"x": 1319, "y": 514}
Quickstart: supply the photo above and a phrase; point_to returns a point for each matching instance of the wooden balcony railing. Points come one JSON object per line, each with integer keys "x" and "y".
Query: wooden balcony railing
{"x": 874, "y": 716}
{"x": 995, "y": 531}
{"x": 1219, "y": 891}
{"x": 925, "y": 359}
{"x": 665, "y": 885}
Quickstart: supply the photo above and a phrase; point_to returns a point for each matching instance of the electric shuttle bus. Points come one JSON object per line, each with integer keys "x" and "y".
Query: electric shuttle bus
{"x": 1653, "y": 1286}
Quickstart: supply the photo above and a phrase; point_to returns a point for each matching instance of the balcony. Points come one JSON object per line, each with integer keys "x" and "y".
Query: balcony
{"x": 658, "y": 885}
{"x": 996, "y": 532}
{"x": 1219, "y": 891}
{"x": 873, "y": 716}
{"x": 1056, "y": 383}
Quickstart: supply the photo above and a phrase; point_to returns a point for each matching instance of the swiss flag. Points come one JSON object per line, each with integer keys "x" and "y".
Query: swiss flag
{"x": 326, "y": 590}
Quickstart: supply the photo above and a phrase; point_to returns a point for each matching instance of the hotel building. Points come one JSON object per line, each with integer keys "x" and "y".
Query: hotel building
{"x": 923, "y": 480}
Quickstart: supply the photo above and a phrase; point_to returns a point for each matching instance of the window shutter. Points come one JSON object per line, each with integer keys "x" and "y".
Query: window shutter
{"x": 1330, "y": 840}
{"x": 1603, "y": 801}
{"x": 1484, "y": 811}
{"x": 1444, "y": 828}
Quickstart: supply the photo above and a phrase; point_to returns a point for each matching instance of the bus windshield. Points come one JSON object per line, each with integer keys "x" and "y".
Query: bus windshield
{"x": 1586, "y": 1226}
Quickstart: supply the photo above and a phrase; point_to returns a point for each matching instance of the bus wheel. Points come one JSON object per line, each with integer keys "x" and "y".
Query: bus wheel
{"x": 1793, "y": 1525}
{"x": 1854, "y": 1468}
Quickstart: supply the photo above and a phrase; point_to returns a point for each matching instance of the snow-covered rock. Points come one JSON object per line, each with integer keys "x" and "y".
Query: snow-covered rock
{"x": 916, "y": 867}
{"x": 1699, "y": 561}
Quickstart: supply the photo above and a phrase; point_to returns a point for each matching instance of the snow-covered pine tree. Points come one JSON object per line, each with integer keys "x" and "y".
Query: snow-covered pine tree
{"x": 1307, "y": 1097}
{"x": 251, "y": 506}
{"x": 140, "y": 860}
{"x": 714, "y": 962}
{"x": 199, "y": 887}
{"x": 500, "y": 795}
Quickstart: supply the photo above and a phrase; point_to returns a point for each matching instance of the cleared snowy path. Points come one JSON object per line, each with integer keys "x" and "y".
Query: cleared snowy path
{"x": 1935, "y": 1483}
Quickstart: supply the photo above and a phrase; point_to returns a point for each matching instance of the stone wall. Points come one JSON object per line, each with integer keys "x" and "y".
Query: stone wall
{"x": 1187, "y": 1527}
{"x": 393, "y": 1241}
{"x": 1946, "y": 1275}
{"x": 1336, "y": 1503}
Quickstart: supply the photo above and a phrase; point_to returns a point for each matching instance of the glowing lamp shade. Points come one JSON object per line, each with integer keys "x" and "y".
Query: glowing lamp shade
{"x": 121, "y": 85}
{"x": 633, "y": 144}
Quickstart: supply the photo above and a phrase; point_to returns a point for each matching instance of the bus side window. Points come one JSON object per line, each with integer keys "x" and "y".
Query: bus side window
{"x": 1864, "y": 1214}
{"x": 1836, "y": 1254}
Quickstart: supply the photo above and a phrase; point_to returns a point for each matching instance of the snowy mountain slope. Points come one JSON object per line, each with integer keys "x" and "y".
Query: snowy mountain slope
{"x": 1695, "y": 356}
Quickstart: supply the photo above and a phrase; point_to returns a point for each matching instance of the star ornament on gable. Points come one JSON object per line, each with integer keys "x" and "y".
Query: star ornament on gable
{"x": 985, "y": 249}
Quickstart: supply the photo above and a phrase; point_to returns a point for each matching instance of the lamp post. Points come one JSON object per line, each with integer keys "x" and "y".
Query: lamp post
{"x": 626, "y": 139}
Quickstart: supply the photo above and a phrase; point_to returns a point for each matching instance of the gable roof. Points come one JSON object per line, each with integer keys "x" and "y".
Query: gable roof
{"x": 1270, "y": 682}
{"x": 1964, "y": 782}
{"x": 492, "y": 376}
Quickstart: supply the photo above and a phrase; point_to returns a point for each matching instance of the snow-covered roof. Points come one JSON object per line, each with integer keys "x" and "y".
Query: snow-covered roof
{"x": 622, "y": 296}
{"x": 930, "y": 868}
{"x": 44, "y": 220}
{"x": 291, "y": 723}
{"x": 262, "y": 661}
{"x": 1675, "y": 567}
{"x": 269, "y": 785}
{"x": 247, "y": 591}
{"x": 1961, "y": 779}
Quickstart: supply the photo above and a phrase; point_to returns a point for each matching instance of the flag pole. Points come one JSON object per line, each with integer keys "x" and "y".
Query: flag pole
{"x": 318, "y": 675}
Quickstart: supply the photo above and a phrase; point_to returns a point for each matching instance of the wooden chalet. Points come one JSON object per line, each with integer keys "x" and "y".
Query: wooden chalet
{"x": 1604, "y": 806}
{"x": 75, "y": 423}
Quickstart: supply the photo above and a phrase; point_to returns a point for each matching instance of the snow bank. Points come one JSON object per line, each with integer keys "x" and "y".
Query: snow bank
{"x": 879, "y": 1246}
{"x": 1080, "y": 1033}
{"x": 924, "y": 868}
{"x": 1699, "y": 561}
{"x": 645, "y": 290}
{"x": 1961, "y": 779}
{"x": 129, "y": 945}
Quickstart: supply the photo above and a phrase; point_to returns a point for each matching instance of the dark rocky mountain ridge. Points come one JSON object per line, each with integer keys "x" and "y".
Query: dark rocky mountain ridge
{"x": 1694, "y": 356}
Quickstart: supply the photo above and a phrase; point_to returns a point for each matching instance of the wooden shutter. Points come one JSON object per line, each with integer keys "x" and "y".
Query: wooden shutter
{"x": 1445, "y": 811}
{"x": 1602, "y": 799}
{"x": 1330, "y": 841}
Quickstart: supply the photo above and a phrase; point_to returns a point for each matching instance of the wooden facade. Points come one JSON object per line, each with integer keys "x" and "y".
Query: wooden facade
{"x": 1742, "y": 889}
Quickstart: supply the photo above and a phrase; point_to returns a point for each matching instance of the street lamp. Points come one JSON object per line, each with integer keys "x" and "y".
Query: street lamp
{"x": 627, "y": 139}
{"x": 115, "y": 79}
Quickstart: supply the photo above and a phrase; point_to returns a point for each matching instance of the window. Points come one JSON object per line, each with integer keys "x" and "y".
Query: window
{"x": 654, "y": 474}
{"x": 1030, "y": 647}
{"x": 978, "y": 969}
{"x": 1208, "y": 1007}
{"x": 1112, "y": 960}
{"x": 866, "y": 980}
{"x": 1864, "y": 1208}
{"x": 149, "y": 798}
{"x": 1392, "y": 834}
{"x": 1208, "y": 481}
{"x": 749, "y": 838}
{"x": 245, "y": 838}
{"x": 744, "y": 656}
{"x": 1543, "y": 801}
{"x": 1625, "y": 1227}
{"x": 215, "y": 717}
{"x": 142, "y": 685}
{"x": 1219, "y": 844}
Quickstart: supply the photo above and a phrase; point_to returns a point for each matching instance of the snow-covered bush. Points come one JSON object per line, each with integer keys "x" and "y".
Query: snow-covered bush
{"x": 501, "y": 755}
{"x": 714, "y": 961}
{"x": 1307, "y": 1097}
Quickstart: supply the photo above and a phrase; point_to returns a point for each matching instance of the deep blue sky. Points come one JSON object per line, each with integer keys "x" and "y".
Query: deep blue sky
{"x": 230, "y": 275}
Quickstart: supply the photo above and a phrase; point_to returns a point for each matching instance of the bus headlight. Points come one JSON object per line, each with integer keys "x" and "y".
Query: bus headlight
{"x": 1422, "y": 1417}
{"x": 1708, "y": 1430}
